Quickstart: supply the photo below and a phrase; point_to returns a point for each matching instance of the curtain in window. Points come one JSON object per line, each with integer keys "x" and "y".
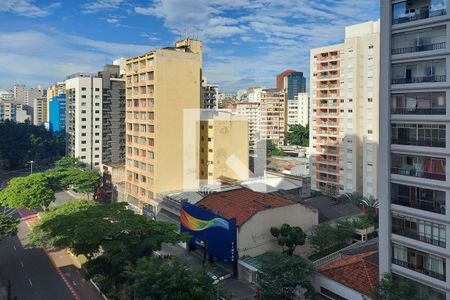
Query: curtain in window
{"x": 434, "y": 264}
{"x": 400, "y": 253}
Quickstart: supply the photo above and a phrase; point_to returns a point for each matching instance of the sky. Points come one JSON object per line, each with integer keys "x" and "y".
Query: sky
{"x": 246, "y": 42}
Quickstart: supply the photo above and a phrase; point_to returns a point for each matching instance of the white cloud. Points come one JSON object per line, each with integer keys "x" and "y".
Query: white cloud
{"x": 25, "y": 58}
{"x": 99, "y": 5}
{"x": 27, "y": 8}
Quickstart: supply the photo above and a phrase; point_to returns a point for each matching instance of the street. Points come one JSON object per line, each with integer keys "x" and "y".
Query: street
{"x": 30, "y": 271}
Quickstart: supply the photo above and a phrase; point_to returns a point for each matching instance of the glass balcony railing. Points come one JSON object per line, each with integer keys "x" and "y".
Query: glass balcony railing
{"x": 421, "y": 103}
{"x": 415, "y": 142}
{"x": 418, "y": 48}
{"x": 408, "y": 11}
{"x": 418, "y": 173}
{"x": 420, "y": 79}
{"x": 418, "y": 269}
{"x": 418, "y": 198}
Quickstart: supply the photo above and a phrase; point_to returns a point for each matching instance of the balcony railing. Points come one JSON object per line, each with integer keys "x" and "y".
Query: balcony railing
{"x": 422, "y": 15}
{"x": 422, "y": 205}
{"x": 414, "y": 235}
{"x": 417, "y": 173}
{"x": 420, "y": 48}
{"x": 418, "y": 269}
{"x": 424, "y": 143}
{"x": 419, "y": 111}
{"x": 422, "y": 79}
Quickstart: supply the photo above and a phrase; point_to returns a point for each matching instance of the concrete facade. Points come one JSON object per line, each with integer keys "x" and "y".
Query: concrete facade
{"x": 84, "y": 118}
{"x": 414, "y": 186}
{"x": 273, "y": 116}
{"x": 344, "y": 112}
{"x": 39, "y": 111}
{"x": 298, "y": 110}
{"x": 160, "y": 85}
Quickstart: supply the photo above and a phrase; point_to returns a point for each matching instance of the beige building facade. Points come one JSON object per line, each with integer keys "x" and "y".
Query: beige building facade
{"x": 273, "y": 116}
{"x": 344, "y": 112}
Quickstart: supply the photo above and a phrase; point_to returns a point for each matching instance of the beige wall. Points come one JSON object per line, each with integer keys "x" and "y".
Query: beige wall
{"x": 254, "y": 237}
{"x": 226, "y": 138}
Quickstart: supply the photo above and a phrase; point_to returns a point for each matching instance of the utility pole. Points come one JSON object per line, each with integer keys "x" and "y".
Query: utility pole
{"x": 31, "y": 162}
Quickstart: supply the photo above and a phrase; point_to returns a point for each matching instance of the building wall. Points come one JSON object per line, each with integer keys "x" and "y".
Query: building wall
{"x": 210, "y": 94}
{"x": 344, "y": 112}
{"x": 57, "y": 113}
{"x": 54, "y": 90}
{"x": 298, "y": 110}
{"x": 391, "y": 86}
{"x": 251, "y": 111}
{"x": 320, "y": 280}
{"x": 273, "y": 116}
{"x": 40, "y": 111}
{"x": 254, "y": 237}
{"x": 84, "y": 119}
{"x": 113, "y": 107}
{"x": 221, "y": 139}
{"x": 173, "y": 84}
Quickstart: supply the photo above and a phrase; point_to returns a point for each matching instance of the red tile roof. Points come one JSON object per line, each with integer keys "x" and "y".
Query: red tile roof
{"x": 241, "y": 204}
{"x": 353, "y": 271}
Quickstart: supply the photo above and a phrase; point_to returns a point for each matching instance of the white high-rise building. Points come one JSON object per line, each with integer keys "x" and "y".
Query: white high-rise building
{"x": 33, "y": 93}
{"x": 254, "y": 95}
{"x": 344, "y": 112}
{"x": 250, "y": 110}
{"x": 298, "y": 110}
{"x": 39, "y": 110}
{"x": 414, "y": 164}
{"x": 84, "y": 118}
{"x": 20, "y": 93}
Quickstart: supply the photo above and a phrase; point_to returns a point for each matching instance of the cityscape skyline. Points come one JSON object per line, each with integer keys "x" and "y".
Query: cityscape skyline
{"x": 246, "y": 42}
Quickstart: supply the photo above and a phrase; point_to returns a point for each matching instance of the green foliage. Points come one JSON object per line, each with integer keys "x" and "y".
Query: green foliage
{"x": 32, "y": 191}
{"x": 272, "y": 150}
{"x": 8, "y": 226}
{"x": 22, "y": 142}
{"x": 67, "y": 162}
{"x": 110, "y": 236}
{"x": 325, "y": 236}
{"x": 166, "y": 278}
{"x": 285, "y": 277}
{"x": 298, "y": 135}
{"x": 289, "y": 237}
{"x": 390, "y": 288}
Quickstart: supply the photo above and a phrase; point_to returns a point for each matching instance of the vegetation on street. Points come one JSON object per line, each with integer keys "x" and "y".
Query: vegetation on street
{"x": 298, "y": 135}
{"x": 289, "y": 237}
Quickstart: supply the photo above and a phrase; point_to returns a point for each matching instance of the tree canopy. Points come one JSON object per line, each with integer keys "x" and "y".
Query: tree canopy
{"x": 166, "y": 278}
{"x": 22, "y": 142}
{"x": 32, "y": 191}
{"x": 8, "y": 226}
{"x": 289, "y": 237}
{"x": 298, "y": 135}
{"x": 272, "y": 150}
{"x": 110, "y": 236}
{"x": 326, "y": 236}
{"x": 285, "y": 277}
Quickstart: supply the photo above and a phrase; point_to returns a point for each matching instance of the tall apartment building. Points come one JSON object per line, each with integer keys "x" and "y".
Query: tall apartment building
{"x": 160, "y": 85}
{"x": 33, "y": 93}
{"x": 7, "y": 110}
{"x": 223, "y": 135}
{"x": 84, "y": 118}
{"x": 291, "y": 82}
{"x": 298, "y": 110}
{"x": 273, "y": 116}
{"x": 52, "y": 91}
{"x": 39, "y": 110}
{"x": 113, "y": 105}
{"x": 414, "y": 168}
{"x": 20, "y": 93}
{"x": 344, "y": 112}
{"x": 57, "y": 113}
{"x": 210, "y": 94}
{"x": 251, "y": 111}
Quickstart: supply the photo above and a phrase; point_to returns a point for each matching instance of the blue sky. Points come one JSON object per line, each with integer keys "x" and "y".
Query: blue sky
{"x": 246, "y": 42}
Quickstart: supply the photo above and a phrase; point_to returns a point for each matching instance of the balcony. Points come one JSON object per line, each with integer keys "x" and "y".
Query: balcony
{"x": 418, "y": 198}
{"x": 418, "y": 166}
{"x": 409, "y": 11}
{"x": 420, "y": 262}
{"x": 425, "y": 135}
{"x": 419, "y": 40}
{"x": 419, "y": 230}
{"x": 419, "y": 103}
{"x": 419, "y": 72}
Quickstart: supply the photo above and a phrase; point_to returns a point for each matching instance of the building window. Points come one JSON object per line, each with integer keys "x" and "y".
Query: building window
{"x": 83, "y": 88}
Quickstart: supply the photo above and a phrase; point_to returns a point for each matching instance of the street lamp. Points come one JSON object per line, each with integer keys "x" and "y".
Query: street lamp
{"x": 31, "y": 162}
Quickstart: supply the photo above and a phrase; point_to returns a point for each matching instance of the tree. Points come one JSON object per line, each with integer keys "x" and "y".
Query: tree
{"x": 67, "y": 162}
{"x": 110, "y": 236}
{"x": 22, "y": 142}
{"x": 32, "y": 191}
{"x": 298, "y": 135}
{"x": 289, "y": 237}
{"x": 8, "y": 226}
{"x": 322, "y": 237}
{"x": 345, "y": 232}
{"x": 166, "y": 278}
{"x": 390, "y": 288}
{"x": 272, "y": 150}
{"x": 285, "y": 277}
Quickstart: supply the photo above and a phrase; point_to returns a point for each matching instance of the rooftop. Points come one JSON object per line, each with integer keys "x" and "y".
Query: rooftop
{"x": 241, "y": 203}
{"x": 358, "y": 271}
{"x": 330, "y": 209}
